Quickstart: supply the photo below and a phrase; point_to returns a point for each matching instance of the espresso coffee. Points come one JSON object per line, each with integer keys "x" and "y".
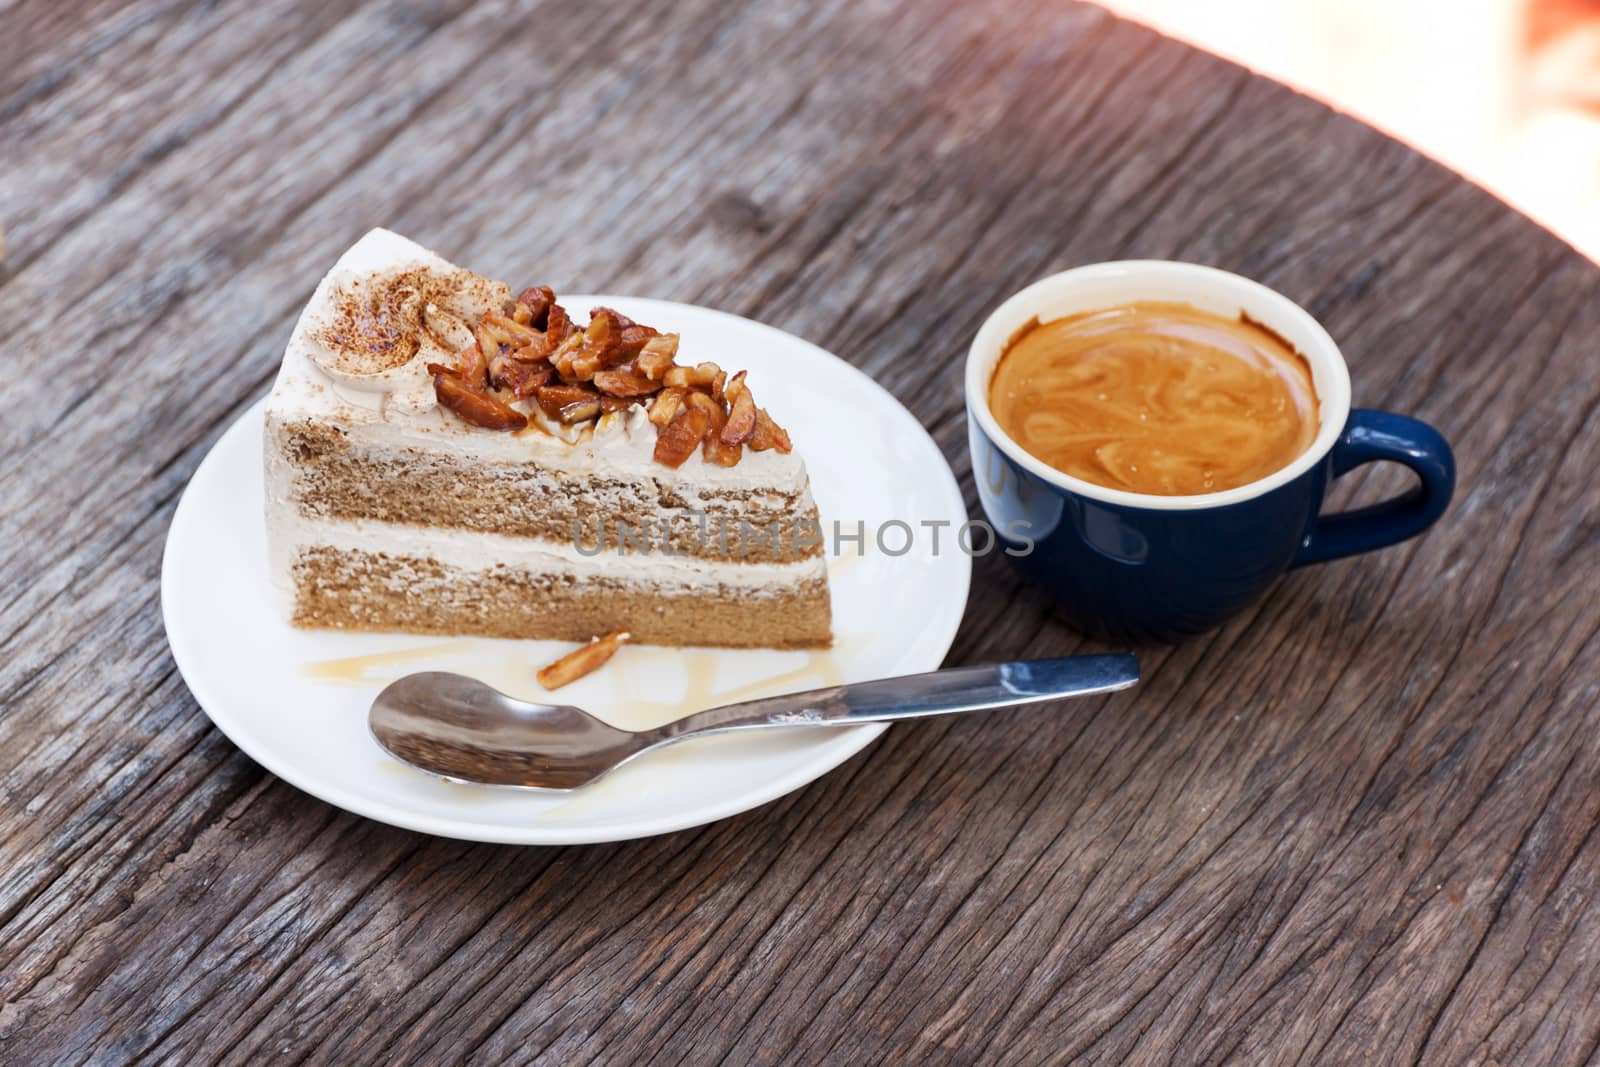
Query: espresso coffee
{"x": 1157, "y": 398}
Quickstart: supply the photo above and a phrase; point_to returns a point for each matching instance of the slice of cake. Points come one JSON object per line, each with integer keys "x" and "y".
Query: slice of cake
{"x": 445, "y": 457}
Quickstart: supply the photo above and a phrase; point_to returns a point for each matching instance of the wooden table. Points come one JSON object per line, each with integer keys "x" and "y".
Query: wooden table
{"x": 1360, "y": 824}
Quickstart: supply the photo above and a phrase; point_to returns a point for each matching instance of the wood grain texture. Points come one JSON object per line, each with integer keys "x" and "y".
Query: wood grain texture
{"x": 1359, "y": 824}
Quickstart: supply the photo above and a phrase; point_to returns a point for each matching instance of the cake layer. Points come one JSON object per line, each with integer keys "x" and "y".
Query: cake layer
{"x": 356, "y": 590}
{"x": 327, "y": 474}
{"x": 381, "y": 576}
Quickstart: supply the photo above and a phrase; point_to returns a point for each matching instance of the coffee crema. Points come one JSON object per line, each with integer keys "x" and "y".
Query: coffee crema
{"x": 1155, "y": 397}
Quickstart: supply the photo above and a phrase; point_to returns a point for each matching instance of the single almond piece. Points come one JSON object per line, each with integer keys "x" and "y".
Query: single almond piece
{"x": 522, "y": 378}
{"x": 563, "y": 354}
{"x": 552, "y": 398}
{"x": 474, "y": 405}
{"x": 768, "y": 434}
{"x": 665, "y": 406}
{"x": 633, "y": 338}
{"x": 677, "y": 440}
{"x": 723, "y": 455}
{"x": 624, "y": 383}
{"x": 599, "y": 349}
{"x": 741, "y": 419}
{"x": 732, "y": 387}
{"x": 584, "y": 661}
{"x": 716, "y": 417}
{"x": 656, "y": 357}
{"x": 538, "y": 300}
{"x": 511, "y": 331}
{"x": 474, "y": 367}
{"x": 677, "y": 377}
{"x": 558, "y": 324}
{"x": 580, "y": 411}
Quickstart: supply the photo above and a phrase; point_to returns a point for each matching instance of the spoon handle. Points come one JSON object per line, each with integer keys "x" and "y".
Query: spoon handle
{"x": 913, "y": 696}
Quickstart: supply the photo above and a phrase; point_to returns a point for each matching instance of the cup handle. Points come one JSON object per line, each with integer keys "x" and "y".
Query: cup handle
{"x": 1371, "y": 437}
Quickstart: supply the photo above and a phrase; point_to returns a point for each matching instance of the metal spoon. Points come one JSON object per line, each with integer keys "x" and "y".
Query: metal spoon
{"x": 459, "y": 728}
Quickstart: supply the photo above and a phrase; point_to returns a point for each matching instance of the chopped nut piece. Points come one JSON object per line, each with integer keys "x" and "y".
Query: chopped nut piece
{"x": 741, "y": 419}
{"x": 665, "y": 406}
{"x": 619, "y": 321}
{"x": 558, "y": 326}
{"x": 599, "y": 348}
{"x": 633, "y": 339}
{"x": 733, "y": 387}
{"x": 475, "y": 364}
{"x": 521, "y": 313}
{"x": 488, "y": 345}
{"x": 723, "y": 455}
{"x": 538, "y": 300}
{"x": 717, "y": 384}
{"x": 585, "y": 660}
{"x": 474, "y": 405}
{"x": 716, "y": 417}
{"x": 552, "y": 398}
{"x": 704, "y": 374}
{"x": 768, "y": 434}
{"x": 677, "y": 378}
{"x": 609, "y": 404}
{"x": 519, "y": 376}
{"x": 624, "y": 383}
{"x": 676, "y": 441}
{"x": 580, "y": 411}
{"x": 511, "y": 331}
{"x": 656, "y": 357}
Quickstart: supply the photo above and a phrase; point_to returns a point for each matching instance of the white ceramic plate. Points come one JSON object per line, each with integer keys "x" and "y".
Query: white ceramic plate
{"x": 296, "y": 700}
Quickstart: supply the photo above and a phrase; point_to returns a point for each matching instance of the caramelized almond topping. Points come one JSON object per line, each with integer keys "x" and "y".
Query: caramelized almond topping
{"x": 585, "y": 660}
{"x": 529, "y": 349}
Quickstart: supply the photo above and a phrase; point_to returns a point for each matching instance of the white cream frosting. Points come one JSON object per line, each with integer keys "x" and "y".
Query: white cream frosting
{"x": 393, "y": 408}
{"x": 474, "y": 552}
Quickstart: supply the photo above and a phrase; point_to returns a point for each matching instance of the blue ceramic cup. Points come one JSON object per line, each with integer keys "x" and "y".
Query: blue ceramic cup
{"x": 1137, "y": 567}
